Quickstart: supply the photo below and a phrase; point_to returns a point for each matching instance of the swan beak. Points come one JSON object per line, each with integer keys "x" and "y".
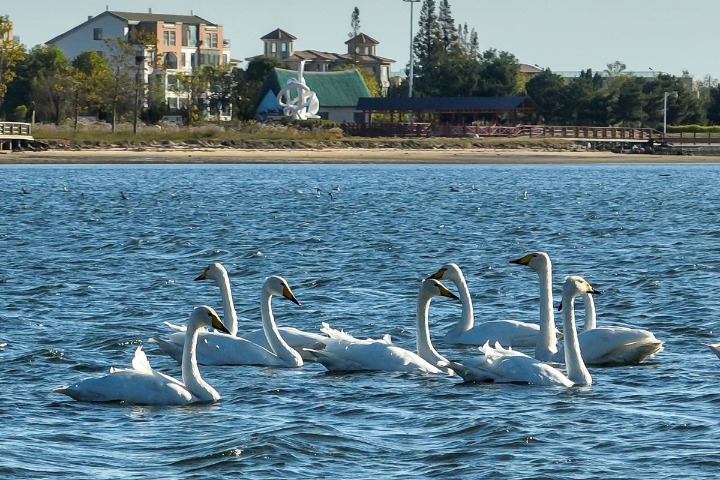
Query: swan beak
{"x": 287, "y": 293}
{"x": 594, "y": 292}
{"x": 217, "y": 324}
{"x": 439, "y": 274}
{"x": 523, "y": 260}
{"x": 447, "y": 293}
{"x": 202, "y": 276}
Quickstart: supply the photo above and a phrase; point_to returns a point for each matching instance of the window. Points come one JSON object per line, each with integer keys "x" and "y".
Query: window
{"x": 273, "y": 47}
{"x": 172, "y": 38}
{"x": 171, "y": 82}
{"x": 171, "y": 60}
{"x": 283, "y": 47}
{"x": 166, "y": 39}
{"x": 97, "y": 34}
{"x": 183, "y": 60}
{"x": 211, "y": 40}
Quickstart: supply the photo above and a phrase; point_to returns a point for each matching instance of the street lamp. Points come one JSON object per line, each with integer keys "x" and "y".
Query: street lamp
{"x": 412, "y": 59}
{"x": 674, "y": 93}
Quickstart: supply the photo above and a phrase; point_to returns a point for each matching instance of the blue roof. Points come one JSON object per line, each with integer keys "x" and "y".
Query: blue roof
{"x": 454, "y": 104}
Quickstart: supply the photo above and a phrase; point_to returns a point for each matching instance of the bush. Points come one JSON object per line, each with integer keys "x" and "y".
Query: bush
{"x": 21, "y": 113}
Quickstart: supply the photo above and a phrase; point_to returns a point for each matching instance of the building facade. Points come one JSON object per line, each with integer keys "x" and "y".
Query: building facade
{"x": 361, "y": 51}
{"x": 184, "y": 43}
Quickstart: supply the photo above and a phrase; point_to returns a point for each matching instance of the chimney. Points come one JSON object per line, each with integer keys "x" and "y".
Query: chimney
{"x": 89, "y": 17}
{"x": 149, "y": 10}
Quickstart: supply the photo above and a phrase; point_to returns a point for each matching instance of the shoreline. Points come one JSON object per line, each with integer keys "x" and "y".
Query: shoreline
{"x": 201, "y": 155}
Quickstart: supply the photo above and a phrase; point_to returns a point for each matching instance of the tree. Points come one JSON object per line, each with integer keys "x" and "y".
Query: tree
{"x": 11, "y": 54}
{"x": 427, "y": 49}
{"x": 49, "y": 74}
{"x": 547, "y": 90}
{"x": 92, "y": 78}
{"x": 123, "y": 61}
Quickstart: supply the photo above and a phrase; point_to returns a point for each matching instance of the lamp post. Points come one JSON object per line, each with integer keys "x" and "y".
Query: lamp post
{"x": 674, "y": 93}
{"x": 412, "y": 58}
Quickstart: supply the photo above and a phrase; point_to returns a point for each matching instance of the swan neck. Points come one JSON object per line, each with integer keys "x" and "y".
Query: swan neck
{"x": 576, "y": 369}
{"x": 590, "y": 319}
{"x": 546, "y": 345}
{"x": 467, "y": 319}
{"x": 190, "y": 371}
{"x": 230, "y": 318}
{"x": 272, "y": 334}
{"x": 424, "y": 345}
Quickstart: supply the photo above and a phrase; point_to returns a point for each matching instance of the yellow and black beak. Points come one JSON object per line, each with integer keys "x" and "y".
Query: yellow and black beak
{"x": 439, "y": 274}
{"x": 446, "y": 293}
{"x": 523, "y": 260}
{"x": 202, "y": 276}
{"x": 287, "y": 293}
{"x": 217, "y": 324}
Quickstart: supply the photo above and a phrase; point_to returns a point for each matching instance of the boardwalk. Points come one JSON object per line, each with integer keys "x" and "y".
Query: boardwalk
{"x": 13, "y": 134}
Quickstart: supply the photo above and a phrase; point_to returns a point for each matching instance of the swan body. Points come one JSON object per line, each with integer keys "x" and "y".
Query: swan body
{"x": 141, "y": 385}
{"x": 501, "y": 365}
{"x": 600, "y": 346}
{"x": 345, "y": 353}
{"x": 294, "y": 337}
{"x": 511, "y": 333}
{"x": 215, "y": 349}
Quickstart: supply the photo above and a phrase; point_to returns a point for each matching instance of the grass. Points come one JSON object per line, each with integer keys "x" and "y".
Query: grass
{"x": 264, "y": 136}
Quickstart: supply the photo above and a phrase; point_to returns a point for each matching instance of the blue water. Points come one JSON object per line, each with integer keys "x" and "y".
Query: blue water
{"x": 86, "y": 276}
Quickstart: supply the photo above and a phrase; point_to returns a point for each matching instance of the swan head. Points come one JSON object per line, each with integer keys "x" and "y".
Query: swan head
{"x": 214, "y": 271}
{"x": 433, "y": 288}
{"x": 538, "y": 261}
{"x": 204, "y": 316}
{"x": 275, "y": 285}
{"x": 449, "y": 271}
{"x": 576, "y": 285}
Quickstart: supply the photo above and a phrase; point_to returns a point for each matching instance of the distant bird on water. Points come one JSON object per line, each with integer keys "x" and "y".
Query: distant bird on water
{"x": 24, "y": 191}
{"x": 123, "y": 196}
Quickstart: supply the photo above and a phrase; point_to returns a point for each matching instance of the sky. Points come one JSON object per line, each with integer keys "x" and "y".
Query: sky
{"x": 563, "y": 35}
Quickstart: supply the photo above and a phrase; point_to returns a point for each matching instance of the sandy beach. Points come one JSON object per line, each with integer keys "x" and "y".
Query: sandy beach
{"x": 199, "y": 155}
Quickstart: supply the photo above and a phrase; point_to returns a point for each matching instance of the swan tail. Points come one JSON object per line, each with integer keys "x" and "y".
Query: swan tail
{"x": 715, "y": 348}
{"x": 168, "y": 348}
{"x": 140, "y": 361}
{"x": 179, "y": 328}
{"x": 468, "y": 374}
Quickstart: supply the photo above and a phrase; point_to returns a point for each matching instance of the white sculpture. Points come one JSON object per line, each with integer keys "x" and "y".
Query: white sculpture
{"x": 297, "y": 100}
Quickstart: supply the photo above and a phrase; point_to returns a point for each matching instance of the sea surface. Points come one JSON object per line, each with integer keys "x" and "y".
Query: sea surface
{"x": 86, "y": 276}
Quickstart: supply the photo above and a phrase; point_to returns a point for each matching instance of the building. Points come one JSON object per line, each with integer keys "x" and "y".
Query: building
{"x": 185, "y": 42}
{"x": 361, "y": 51}
{"x": 338, "y": 93}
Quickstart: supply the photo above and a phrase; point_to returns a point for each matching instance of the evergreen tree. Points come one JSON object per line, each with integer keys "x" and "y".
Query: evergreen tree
{"x": 427, "y": 48}
{"x": 449, "y": 36}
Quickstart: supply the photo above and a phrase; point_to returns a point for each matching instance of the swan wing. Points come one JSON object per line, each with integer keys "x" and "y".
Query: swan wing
{"x": 508, "y": 332}
{"x": 501, "y": 365}
{"x": 130, "y": 386}
{"x": 616, "y": 346}
{"x": 214, "y": 348}
{"x": 370, "y": 355}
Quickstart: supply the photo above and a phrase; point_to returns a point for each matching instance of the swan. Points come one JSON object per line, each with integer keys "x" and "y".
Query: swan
{"x": 715, "y": 348}
{"x": 141, "y": 385}
{"x": 345, "y": 353}
{"x": 600, "y": 346}
{"x": 511, "y": 333}
{"x": 296, "y": 338}
{"x": 215, "y": 349}
{"x": 501, "y": 365}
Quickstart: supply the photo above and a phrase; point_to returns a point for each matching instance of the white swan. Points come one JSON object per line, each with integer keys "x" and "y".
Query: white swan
{"x": 715, "y": 348}
{"x": 501, "y": 365}
{"x": 296, "y": 338}
{"x": 215, "y": 349}
{"x": 511, "y": 333}
{"x": 600, "y": 346}
{"x": 141, "y": 385}
{"x": 345, "y": 353}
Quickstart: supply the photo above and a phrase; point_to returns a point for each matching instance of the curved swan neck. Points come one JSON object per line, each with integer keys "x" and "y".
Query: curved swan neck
{"x": 272, "y": 334}
{"x": 467, "y": 320}
{"x": 230, "y": 320}
{"x": 424, "y": 345}
{"x": 546, "y": 345}
{"x": 190, "y": 371}
{"x": 577, "y": 372}
{"x": 590, "y": 320}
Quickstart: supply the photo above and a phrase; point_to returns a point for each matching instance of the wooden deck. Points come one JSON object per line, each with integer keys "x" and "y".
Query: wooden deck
{"x": 12, "y": 134}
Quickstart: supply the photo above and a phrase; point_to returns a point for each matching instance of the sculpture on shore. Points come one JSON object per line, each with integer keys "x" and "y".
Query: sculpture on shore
{"x": 297, "y": 100}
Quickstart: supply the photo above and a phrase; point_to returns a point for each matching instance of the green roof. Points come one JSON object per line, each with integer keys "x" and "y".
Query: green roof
{"x": 334, "y": 89}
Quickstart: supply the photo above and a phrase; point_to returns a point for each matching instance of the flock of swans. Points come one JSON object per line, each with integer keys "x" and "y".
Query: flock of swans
{"x": 336, "y": 350}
